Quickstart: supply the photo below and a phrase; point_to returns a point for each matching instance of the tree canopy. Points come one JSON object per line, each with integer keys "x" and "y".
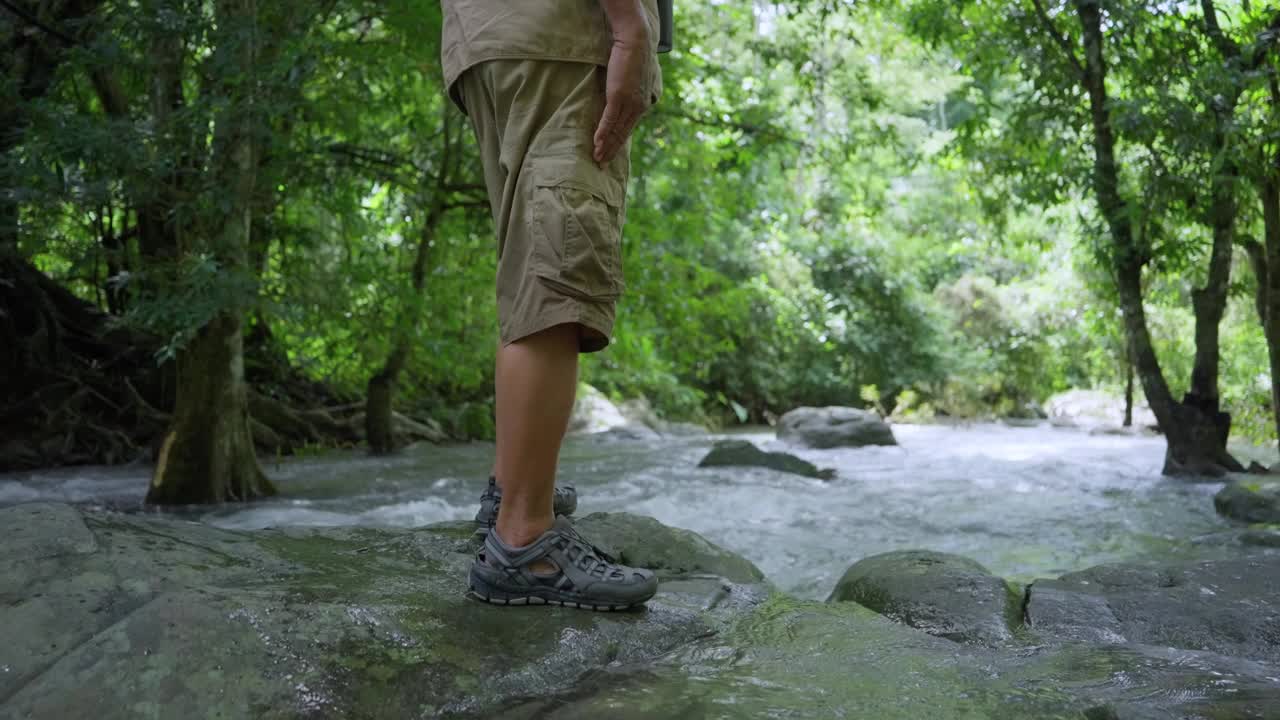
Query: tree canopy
{"x": 936, "y": 208}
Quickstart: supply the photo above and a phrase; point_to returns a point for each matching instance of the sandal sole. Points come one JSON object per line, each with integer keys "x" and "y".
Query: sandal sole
{"x": 535, "y": 600}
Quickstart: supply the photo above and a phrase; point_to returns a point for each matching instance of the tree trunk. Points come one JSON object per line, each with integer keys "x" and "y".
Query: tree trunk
{"x": 378, "y": 397}
{"x": 1209, "y": 303}
{"x": 1266, "y": 263}
{"x": 382, "y": 386}
{"x": 1128, "y": 390}
{"x": 8, "y": 205}
{"x": 208, "y": 453}
{"x": 1196, "y": 442}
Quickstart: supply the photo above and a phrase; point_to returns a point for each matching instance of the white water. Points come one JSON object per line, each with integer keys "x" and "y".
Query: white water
{"x": 1025, "y": 502}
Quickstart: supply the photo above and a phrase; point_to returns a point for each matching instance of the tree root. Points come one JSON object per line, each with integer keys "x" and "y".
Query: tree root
{"x": 77, "y": 388}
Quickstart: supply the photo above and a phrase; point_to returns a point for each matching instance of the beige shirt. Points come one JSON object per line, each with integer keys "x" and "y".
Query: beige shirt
{"x": 567, "y": 30}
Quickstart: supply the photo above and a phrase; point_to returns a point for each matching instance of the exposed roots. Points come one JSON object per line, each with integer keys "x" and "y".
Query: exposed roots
{"x": 76, "y": 387}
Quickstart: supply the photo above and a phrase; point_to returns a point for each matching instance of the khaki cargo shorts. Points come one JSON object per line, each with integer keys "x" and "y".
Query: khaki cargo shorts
{"x": 558, "y": 215}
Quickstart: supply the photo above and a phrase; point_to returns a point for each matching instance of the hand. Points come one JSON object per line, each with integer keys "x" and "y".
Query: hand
{"x": 625, "y": 101}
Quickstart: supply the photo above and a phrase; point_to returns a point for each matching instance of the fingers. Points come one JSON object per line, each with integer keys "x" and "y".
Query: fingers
{"x": 605, "y": 130}
{"x": 616, "y": 125}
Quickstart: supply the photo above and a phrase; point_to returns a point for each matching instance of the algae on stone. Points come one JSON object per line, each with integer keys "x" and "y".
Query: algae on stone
{"x": 1250, "y": 499}
{"x": 945, "y": 595}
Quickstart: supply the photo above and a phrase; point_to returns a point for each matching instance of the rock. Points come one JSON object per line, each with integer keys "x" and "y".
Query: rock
{"x": 795, "y": 659}
{"x": 741, "y": 453}
{"x": 645, "y": 542}
{"x": 44, "y": 530}
{"x": 830, "y": 427}
{"x": 638, "y": 411}
{"x": 1221, "y": 606}
{"x": 640, "y": 414}
{"x": 684, "y": 430}
{"x": 809, "y": 660}
{"x": 149, "y": 616}
{"x": 1250, "y": 498}
{"x": 945, "y": 595}
{"x": 626, "y": 433}
{"x": 593, "y": 412}
{"x": 1262, "y": 536}
{"x": 1092, "y": 409}
{"x": 128, "y": 616}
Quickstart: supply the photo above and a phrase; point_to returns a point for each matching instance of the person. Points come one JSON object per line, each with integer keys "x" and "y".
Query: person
{"x": 553, "y": 90}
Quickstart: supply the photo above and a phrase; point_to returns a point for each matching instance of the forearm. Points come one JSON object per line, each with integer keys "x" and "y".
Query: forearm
{"x": 626, "y": 18}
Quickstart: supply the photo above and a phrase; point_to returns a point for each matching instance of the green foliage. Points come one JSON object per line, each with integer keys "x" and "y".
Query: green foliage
{"x": 879, "y": 204}
{"x": 175, "y": 301}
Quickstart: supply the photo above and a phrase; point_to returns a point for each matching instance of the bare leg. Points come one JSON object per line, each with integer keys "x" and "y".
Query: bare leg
{"x": 537, "y": 379}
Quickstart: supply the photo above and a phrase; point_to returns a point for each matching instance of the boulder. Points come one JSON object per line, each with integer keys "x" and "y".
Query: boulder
{"x": 1093, "y": 409}
{"x": 1250, "y": 498}
{"x": 638, "y": 411}
{"x": 1262, "y": 536}
{"x": 1221, "y": 606}
{"x": 741, "y": 453}
{"x": 594, "y": 412}
{"x": 125, "y": 616}
{"x": 830, "y": 427}
{"x": 684, "y": 430}
{"x": 945, "y": 595}
{"x": 112, "y": 616}
{"x": 645, "y": 542}
{"x": 626, "y": 433}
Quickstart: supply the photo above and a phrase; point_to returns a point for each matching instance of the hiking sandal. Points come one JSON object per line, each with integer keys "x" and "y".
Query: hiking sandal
{"x": 565, "y": 502}
{"x": 582, "y": 576}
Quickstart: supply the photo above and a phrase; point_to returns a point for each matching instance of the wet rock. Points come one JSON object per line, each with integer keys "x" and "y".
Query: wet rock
{"x": 44, "y": 530}
{"x": 810, "y": 660}
{"x": 645, "y": 542}
{"x": 1250, "y": 498}
{"x": 795, "y": 659}
{"x": 1262, "y": 536}
{"x": 945, "y": 595}
{"x": 741, "y": 453}
{"x": 157, "y": 617}
{"x": 830, "y": 427}
{"x": 1221, "y": 606}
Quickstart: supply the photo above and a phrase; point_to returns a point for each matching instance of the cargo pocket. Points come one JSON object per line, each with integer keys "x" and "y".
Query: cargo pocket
{"x": 578, "y": 212}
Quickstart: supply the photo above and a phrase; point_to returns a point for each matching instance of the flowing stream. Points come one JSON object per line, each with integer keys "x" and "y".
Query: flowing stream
{"x": 1025, "y": 502}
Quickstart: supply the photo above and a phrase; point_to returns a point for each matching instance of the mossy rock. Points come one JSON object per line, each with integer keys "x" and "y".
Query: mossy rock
{"x": 644, "y": 542}
{"x": 1262, "y": 535}
{"x": 1251, "y": 499}
{"x": 945, "y": 595}
{"x": 741, "y": 453}
{"x": 131, "y": 616}
{"x": 126, "y": 616}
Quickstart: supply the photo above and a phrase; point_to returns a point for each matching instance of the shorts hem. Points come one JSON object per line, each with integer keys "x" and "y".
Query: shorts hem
{"x": 576, "y": 313}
